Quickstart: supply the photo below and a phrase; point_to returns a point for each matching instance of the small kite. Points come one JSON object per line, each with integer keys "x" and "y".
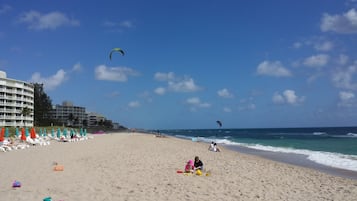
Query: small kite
{"x": 219, "y": 123}
{"x": 116, "y": 50}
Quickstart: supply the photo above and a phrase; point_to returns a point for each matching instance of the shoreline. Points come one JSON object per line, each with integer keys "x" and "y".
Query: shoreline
{"x": 134, "y": 166}
{"x": 294, "y": 159}
{"x": 299, "y": 160}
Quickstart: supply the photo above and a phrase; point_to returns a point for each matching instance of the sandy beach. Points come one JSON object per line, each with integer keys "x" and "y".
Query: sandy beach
{"x": 133, "y": 166}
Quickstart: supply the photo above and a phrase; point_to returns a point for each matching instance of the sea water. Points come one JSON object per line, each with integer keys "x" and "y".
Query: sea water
{"x": 330, "y": 146}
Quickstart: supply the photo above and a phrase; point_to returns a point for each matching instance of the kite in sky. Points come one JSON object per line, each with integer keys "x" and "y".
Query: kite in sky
{"x": 219, "y": 123}
{"x": 116, "y": 50}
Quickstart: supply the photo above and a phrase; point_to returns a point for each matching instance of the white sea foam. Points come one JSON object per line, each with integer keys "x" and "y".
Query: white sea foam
{"x": 342, "y": 161}
{"x": 336, "y": 160}
{"x": 319, "y": 133}
{"x": 352, "y": 134}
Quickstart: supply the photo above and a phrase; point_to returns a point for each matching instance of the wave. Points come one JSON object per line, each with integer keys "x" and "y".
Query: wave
{"x": 351, "y": 134}
{"x": 336, "y": 160}
{"x": 342, "y": 161}
{"x": 319, "y": 133}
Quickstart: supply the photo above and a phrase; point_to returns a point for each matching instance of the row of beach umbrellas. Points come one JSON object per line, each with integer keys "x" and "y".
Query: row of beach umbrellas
{"x": 4, "y": 133}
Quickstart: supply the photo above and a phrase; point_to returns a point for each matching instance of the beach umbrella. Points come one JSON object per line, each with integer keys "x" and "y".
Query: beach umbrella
{"x": 6, "y": 132}
{"x": 58, "y": 133}
{"x": 26, "y": 132}
{"x": 33, "y": 133}
{"x": 81, "y": 131}
{"x": 65, "y": 132}
{"x": 17, "y": 132}
{"x": 23, "y": 134}
{"x": 85, "y": 132}
{"x": 41, "y": 132}
{"x": 53, "y": 132}
{"x": 2, "y": 134}
{"x": 44, "y": 132}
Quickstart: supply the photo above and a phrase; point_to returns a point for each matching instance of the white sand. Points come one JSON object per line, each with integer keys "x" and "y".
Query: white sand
{"x": 143, "y": 167}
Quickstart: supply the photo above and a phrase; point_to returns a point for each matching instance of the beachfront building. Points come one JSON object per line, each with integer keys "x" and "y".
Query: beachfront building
{"x": 16, "y": 97}
{"x": 68, "y": 114}
{"x": 95, "y": 119}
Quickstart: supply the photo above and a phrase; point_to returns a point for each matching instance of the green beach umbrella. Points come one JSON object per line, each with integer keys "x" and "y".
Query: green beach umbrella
{"x": 27, "y": 132}
{"x": 17, "y": 132}
{"x": 53, "y": 132}
{"x": 58, "y": 132}
{"x": 41, "y": 132}
{"x": 44, "y": 132}
{"x": 6, "y": 132}
{"x": 65, "y": 132}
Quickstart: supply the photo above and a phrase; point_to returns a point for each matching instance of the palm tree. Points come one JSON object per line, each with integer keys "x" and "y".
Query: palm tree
{"x": 25, "y": 112}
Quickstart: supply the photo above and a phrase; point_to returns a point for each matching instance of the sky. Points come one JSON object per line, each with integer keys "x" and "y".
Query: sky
{"x": 187, "y": 64}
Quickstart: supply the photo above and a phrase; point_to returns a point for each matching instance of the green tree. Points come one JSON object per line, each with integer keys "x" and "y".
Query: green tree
{"x": 25, "y": 112}
{"x": 42, "y": 106}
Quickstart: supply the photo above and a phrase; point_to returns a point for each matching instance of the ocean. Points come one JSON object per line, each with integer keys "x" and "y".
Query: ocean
{"x": 334, "y": 147}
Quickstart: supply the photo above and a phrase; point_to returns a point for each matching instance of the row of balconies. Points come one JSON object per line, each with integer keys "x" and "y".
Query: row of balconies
{"x": 2, "y": 103}
{"x": 13, "y": 117}
{"x": 14, "y": 98}
{"x": 20, "y": 92}
{"x": 10, "y": 110}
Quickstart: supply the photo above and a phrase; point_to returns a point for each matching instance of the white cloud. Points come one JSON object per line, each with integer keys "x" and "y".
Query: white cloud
{"x": 249, "y": 106}
{"x": 184, "y": 85}
{"x": 225, "y": 93}
{"x": 134, "y": 104}
{"x": 274, "y": 68}
{"x": 5, "y": 8}
{"x": 318, "y": 43}
{"x": 317, "y": 60}
{"x": 124, "y": 24}
{"x": 324, "y": 46}
{"x": 119, "y": 74}
{"x": 346, "y": 95}
{"x": 297, "y": 45}
{"x": 160, "y": 90}
{"x": 176, "y": 84}
{"x": 287, "y": 97}
{"x": 51, "y": 82}
{"x": 345, "y": 23}
{"x": 347, "y": 99}
{"x": 37, "y": 21}
{"x": 343, "y": 78}
{"x": 343, "y": 59}
{"x": 227, "y": 109}
{"x": 77, "y": 67}
{"x": 164, "y": 76}
{"x": 196, "y": 102}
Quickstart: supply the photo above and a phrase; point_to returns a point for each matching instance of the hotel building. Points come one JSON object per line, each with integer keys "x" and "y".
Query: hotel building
{"x": 15, "y": 95}
{"x": 62, "y": 113}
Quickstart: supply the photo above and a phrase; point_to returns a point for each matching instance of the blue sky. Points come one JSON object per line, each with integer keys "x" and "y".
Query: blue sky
{"x": 250, "y": 64}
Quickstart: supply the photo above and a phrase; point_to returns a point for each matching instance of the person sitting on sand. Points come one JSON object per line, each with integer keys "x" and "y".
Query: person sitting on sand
{"x": 211, "y": 146}
{"x": 198, "y": 163}
{"x": 215, "y": 148}
{"x": 189, "y": 168}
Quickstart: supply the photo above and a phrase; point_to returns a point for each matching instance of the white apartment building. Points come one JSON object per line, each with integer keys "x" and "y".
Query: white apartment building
{"x": 15, "y": 95}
